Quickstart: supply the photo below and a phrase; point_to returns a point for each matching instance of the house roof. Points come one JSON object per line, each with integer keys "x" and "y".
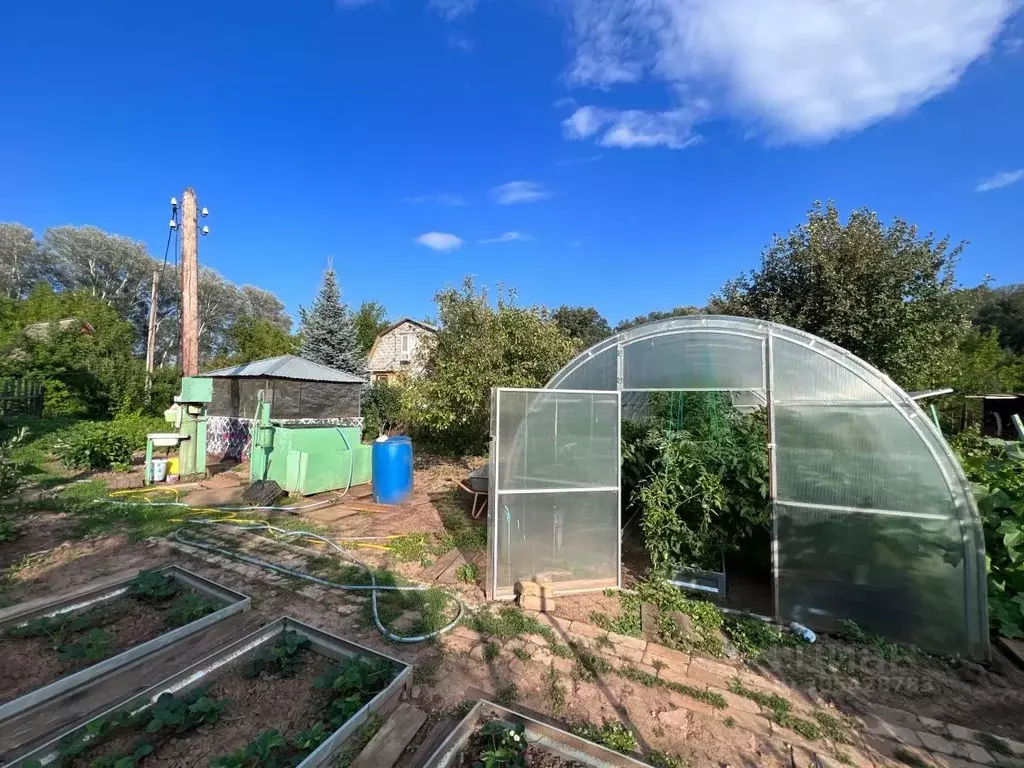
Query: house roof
{"x": 286, "y": 367}
{"x": 389, "y": 329}
{"x": 420, "y": 323}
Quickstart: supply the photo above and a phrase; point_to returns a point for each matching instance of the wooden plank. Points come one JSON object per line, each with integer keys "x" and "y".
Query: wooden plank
{"x": 431, "y": 572}
{"x": 387, "y": 746}
{"x": 1014, "y": 649}
{"x": 433, "y": 740}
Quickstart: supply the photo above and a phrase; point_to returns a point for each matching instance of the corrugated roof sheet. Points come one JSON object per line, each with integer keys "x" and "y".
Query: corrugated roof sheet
{"x": 286, "y": 367}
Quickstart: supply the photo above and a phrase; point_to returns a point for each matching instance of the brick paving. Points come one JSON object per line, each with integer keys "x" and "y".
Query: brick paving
{"x": 872, "y": 740}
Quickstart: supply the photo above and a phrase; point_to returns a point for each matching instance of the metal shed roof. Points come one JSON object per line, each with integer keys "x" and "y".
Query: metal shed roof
{"x": 286, "y": 367}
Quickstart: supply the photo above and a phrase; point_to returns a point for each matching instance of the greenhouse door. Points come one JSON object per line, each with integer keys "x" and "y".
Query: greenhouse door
{"x": 553, "y": 509}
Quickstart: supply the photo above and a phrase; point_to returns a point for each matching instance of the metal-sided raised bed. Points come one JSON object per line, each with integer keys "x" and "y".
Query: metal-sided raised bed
{"x": 234, "y": 602}
{"x": 538, "y": 734}
{"x": 205, "y": 671}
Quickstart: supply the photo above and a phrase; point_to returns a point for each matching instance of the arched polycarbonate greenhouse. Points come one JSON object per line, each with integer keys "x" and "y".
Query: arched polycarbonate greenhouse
{"x": 872, "y": 517}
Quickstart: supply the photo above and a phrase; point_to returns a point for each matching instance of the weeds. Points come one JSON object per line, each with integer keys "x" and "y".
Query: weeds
{"x": 665, "y": 760}
{"x": 729, "y": 722}
{"x": 510, "y": 622}
{"x": 611, "y": 734}
{"x": 521, "y": 653}
{"x": 467, "y": 573}
{"x": 994, "y": 744}
{"x": 491, "y": 651}
{"x": 589, "y": 666}
{"x": 907, "y": 757}
{"x": 831, "y": 727}
{"x": 556, "y": 691}
{"x": 753, "y": 637}
{"x": 507, "y": 695}
{"x": 704, "y": 695}
{"x": 779, "y": 711}
{"x": 7, "y": 529}
{"x": 359, "y": 741}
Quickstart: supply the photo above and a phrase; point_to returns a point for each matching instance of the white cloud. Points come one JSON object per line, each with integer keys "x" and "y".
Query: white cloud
{"x": 795, "y": 70}
{"x": 439, "y": 241}
{"x": 1013, "y": 45}
{"x": 460, "y": 43}
{"x": 506, "y": 237}
{"x": 453, "y": 9}
{"x": 1000, "y": 180}
{"x": 444, "y": 198}
{"x": 633, "y": 127}
{"x": 519, "y": 192}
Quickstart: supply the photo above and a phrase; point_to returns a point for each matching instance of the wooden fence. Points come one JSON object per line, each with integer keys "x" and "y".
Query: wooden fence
{"x": 21, "y": 396}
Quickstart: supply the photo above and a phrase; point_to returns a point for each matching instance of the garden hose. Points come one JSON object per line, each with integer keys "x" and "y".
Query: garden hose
{"x": 373, "y": 587}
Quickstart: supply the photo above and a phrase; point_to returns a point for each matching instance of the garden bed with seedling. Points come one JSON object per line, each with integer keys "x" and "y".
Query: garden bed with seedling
{"x": 494, "y": 737}
{"x": 66, "y": 643}
{"x": 285, "y": 695}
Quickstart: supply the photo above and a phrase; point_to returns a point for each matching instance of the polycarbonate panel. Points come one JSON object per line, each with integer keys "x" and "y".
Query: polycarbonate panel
{"x": 553, "y": 511}
{"x": 900, "y": 577}
{"x": 552, "y": 439}
{"x": 803, "y": 373}
{"x": 599, "y": 371}
{"x": 867, "y": 457}
{"x": 694, "y": 360}
{"x": 565, "y": 538}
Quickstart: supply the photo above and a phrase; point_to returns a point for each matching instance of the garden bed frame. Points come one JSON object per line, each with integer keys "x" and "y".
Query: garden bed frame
{"x": 547, "y": 737}
{"x": 236, "y": 602}
{"x": 200, "y": 673}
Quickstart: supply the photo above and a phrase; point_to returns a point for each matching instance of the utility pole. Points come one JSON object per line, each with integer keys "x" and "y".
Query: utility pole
{"x": 189, "y": 285}
{"x": 151, "y": 336}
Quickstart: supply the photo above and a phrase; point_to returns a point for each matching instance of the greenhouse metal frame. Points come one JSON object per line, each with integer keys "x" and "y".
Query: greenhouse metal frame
{"x": 873, "y": 519}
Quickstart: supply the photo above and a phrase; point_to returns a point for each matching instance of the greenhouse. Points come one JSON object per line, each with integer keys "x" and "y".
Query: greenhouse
{"x": 868, "y": 514}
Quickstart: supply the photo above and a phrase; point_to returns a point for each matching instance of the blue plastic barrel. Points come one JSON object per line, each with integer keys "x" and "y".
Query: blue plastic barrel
{"x": 392, "y": 470}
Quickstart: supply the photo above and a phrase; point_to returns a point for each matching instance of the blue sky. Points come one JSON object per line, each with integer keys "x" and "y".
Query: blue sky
{"x": 626, "y": 154}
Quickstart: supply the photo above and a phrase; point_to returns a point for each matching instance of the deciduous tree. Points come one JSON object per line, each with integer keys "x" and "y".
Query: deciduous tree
{"x": 584, "y": 324}
{"x": 883, "y": 292}
{"x": 371, "y": 321}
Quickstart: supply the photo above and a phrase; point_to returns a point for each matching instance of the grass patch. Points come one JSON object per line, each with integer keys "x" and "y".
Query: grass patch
{"x": 994, "y": 744}
{"x": 780, "y": 711}
{"x": 521, "y": 654}
{"x": 852, "y": 633}
{"x": 589, "y": 666}
{"x": 831, "y": 726}
{"x": 611, "y": 734}
{"x": 425, "y": 672}
{"x": 555, "y": 691}
{"x": 706, "y": 620}
{"x": 507, "y": 695}
{"x": 510, "y": 622}
{"x": 729, "y": 722}
{"x": 665, "y": 760}
{"x": 753, "y": 637}
{"x": 491, "y": 651}
{"x": 704, "y": 695}
{"x": 907, "y": 757}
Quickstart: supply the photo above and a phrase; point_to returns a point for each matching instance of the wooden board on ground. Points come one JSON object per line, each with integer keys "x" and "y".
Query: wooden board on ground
{"x": 387, "y": 746}
{"x": 452, "y": 557}
{"x": 432, "y": 741}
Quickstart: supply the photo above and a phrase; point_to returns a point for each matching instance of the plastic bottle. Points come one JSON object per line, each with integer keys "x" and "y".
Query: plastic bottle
{"x": 803, "y": 632}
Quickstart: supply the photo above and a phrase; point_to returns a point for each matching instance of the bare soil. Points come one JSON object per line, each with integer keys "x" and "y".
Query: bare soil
{"x": 32, "y": 662}
{"x": 284, "y": 704}
{"x": 539, "y": 758}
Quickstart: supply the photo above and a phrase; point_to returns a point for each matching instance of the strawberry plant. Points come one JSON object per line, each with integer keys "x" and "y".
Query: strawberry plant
{"x": 311, "y": 738}
{"x": 186, "y": 608}
{"x": 353, "y": 682}
{"x": 263, "y": 752}
{"x": 153, "y": 586}
{"x": 501, "y": 745}
{"x": 178, "y": 715}
{"x": 284, "y": 658}
{"x": 92, "y": 647}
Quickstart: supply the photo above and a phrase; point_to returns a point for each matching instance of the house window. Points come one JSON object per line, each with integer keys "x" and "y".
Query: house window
{"x": 408, "y": 342}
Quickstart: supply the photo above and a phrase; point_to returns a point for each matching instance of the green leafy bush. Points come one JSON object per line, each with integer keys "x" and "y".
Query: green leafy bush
{"x": 101, "y": 444}
{"x": 382, "y": 409}
{"x": 93, "y": 445}
{"x": 697, "y": 473}
{"x": 284, "y": 658}
{"x": 998, "y": 483}
{"x": 12, "y": 473}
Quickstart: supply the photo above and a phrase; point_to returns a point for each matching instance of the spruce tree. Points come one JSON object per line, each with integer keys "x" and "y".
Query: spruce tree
{"x": 328, "y": 333}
